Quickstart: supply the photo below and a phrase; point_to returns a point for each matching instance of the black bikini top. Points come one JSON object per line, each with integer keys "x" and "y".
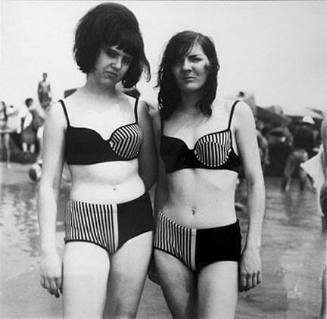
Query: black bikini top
{"x": 211, "y": 151}
{"x": 85, "y": 146}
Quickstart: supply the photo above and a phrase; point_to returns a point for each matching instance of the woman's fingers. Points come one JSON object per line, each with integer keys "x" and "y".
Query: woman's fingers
{"x": 52, "y": 285}
{"x": 59, "y": 284}
{"x": 250, "y": 280}
{"x": 244, "y": 284}
{"x": 51, "y": 272}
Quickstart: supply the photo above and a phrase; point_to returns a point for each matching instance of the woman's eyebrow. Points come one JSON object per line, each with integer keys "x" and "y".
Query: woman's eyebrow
{"x": 194, "y": 55}
{"x": 122, "y": 52}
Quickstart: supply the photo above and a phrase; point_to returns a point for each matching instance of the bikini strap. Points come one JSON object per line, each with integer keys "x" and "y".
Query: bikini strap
{"x": 231, "y": 113}
{"x": 65, "y": 111}
{"x": 135, "y": 109}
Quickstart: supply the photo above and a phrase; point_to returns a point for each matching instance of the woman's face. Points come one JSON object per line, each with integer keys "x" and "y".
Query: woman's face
{"x": 191, "y": 71}
{"x": 111, "y": 66}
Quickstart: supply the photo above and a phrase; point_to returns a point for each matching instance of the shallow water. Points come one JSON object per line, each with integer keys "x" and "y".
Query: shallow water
{"x": 293, "y": 248}
{"x": 19, "y": 227}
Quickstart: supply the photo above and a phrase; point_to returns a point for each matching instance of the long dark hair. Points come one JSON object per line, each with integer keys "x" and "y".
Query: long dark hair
{"x": 169, "y": 93}
{"x": 110, "y": 24}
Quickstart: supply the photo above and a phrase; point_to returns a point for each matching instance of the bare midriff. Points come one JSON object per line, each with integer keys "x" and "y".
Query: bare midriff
{"x": 108, "y": 183}
{"x": 201, "y": 198}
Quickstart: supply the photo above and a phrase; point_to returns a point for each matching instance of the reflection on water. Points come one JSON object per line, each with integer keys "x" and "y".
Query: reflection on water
{"x": 18, "y": 213}
{"x": 292, "y": 244}
{"x": 292, "y": 208}
{"x": 19, "y": 227}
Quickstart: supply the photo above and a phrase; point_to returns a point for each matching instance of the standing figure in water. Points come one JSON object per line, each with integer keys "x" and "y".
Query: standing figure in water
{"x": 203, "y": 141}
{"x": 105, "y": 137}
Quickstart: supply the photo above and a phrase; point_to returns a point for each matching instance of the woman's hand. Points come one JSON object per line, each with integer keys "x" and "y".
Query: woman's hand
{"x": 51, "y": 273}
{"x": 250, "y": 269}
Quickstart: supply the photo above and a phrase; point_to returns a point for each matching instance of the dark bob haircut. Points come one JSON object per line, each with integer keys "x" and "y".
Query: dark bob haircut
{"x": 110, "y": 24}
{"x": 169, "y": 94}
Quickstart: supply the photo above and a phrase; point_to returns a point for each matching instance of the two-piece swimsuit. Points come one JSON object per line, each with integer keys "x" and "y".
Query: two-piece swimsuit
{"x": 106, "y": 225}
{"x": 197, "y": 248}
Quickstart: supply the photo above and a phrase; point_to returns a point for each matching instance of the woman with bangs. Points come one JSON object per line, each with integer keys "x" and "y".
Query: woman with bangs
{"x": 106, "y": 139}
{"x": 203, "y": 140}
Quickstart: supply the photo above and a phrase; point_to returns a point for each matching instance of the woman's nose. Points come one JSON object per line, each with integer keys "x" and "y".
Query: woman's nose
{"x": 186, "y": 65}
{"x": 118, "y": 62}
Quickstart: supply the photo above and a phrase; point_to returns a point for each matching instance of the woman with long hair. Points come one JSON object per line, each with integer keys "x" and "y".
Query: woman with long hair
{"x": 203, "y": 141}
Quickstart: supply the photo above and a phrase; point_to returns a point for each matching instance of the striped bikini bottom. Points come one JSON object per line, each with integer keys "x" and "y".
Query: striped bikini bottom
{"x": 197, "y": 248}
{"x": 108, "y": 225}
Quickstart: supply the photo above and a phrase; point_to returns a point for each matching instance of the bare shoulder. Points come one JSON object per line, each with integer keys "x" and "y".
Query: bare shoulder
{"x": 224, "y": 106}
{"x": 56, "y": 116}
{"x": 243, "y": 114}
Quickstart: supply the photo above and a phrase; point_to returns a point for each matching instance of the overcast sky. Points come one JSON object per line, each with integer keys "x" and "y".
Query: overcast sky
{"x": 276, "y": 50}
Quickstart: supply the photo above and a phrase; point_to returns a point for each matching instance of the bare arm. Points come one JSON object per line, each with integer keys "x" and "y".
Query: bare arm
{"x": 324, "y": 144}
{"x": 48, "y": 196}
{"x": 147, "y": 156}
{"x": 161, "y": 190}
{"x": 248, "y": 147}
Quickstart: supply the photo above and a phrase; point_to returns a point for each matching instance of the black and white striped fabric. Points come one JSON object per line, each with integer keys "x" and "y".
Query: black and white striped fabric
{"x": 95, "y": 223}
{"x": 126, "y": 141}
{"x": 175, "y": 239}
{"x": 85, "y": 145}
{"x": 213, "y": 149}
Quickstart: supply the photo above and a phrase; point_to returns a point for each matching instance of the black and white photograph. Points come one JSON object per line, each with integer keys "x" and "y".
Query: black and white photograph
{"x": 163, "y": 159}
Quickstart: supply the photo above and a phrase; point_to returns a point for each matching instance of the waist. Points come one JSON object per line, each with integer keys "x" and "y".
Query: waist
{"x": 166, "y": 219}
{"x": 201, "y": 199}
{"x": 201, "y": 185}
{"x": 108, "y": 190}
{"x": 85, "y": 204}
{"x": 105, "y": 173}
{"x": 200, "y": 217}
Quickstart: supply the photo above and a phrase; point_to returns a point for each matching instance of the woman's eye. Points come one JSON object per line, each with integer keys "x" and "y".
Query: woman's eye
{"x": 127, "y": 61}
{"x": 111, "y": 53}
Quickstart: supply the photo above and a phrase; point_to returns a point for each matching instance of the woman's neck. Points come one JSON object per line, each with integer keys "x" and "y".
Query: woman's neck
{"x": 189, "y": 103}
{"x": 92, "y": 87}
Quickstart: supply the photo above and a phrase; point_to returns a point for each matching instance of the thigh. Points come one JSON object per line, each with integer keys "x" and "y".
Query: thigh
{"x": 85, "y": 271}
{"x": 217, "y": 290}
{"x": 178, "y": 284}
{"x": 128, "y": 270}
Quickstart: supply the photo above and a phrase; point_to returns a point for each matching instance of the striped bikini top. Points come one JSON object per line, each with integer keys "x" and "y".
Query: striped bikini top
{"x": 84, "y": 146}
{"x": 211, "y": 151}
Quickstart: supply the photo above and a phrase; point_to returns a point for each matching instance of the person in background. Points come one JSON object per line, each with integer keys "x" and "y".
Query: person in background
{"x": 263, "y": 145}
{"x": 44, "y": 92}
{"x": 7, "y": 114}
{"x": 105, "y": 137}
{"x": 322, "y": 195}
{"x": 28, "y": 131}
{"x": 303, "y": 145}
{"x": 203, "y": 140}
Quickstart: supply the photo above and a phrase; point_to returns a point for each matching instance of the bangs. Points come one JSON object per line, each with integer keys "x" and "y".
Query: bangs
{"x": 180, "y": 50}
{"x": 128, "y": 41}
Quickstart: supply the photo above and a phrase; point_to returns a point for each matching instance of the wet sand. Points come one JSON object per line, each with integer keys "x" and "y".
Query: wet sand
{"x": 293, "y": 256}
